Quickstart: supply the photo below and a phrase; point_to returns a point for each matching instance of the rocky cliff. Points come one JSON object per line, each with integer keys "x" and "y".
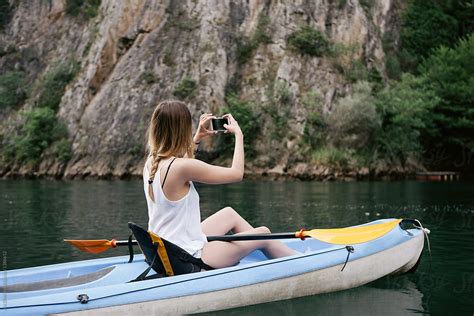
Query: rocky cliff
{"x": 132, "y": 54}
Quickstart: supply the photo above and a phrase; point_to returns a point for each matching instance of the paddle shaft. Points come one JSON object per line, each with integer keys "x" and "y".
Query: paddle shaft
{"x": 243, "y": 237}
{"x": 230, "y": 238}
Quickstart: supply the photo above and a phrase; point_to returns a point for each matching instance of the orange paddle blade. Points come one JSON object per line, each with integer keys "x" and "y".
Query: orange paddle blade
{"x": 92, "y": 246}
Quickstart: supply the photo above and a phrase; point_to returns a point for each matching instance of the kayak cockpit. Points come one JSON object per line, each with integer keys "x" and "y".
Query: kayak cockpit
{"x": 56, "y": 283}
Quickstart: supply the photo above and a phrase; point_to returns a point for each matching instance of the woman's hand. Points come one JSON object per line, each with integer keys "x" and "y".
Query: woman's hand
{"x": 233, "y": 127}
{"x": 199, "y": 171}
{"x": 202, "y": 130}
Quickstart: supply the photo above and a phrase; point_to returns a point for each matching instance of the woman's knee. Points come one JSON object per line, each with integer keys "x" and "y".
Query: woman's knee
{"x": 229, "y": 210}
{"x": 263, "y": 230}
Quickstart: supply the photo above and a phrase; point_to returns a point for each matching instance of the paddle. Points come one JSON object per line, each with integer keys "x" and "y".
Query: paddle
{"x": 338, "y": 236}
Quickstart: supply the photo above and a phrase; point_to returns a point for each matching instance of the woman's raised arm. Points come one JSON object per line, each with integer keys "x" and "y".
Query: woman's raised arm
{"x": 199, "y": 171}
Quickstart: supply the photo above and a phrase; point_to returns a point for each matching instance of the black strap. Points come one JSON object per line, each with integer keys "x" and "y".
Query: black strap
{"x": 166, "y": 174}
{"x": 153, "y": 276}
{"x": 143, "y": 275}
{"x": 130, "y": 248}
{"x": 350, "y": 250}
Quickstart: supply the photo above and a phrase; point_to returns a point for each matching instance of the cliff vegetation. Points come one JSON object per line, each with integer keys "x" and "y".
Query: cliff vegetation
{"x": 322, "y": 90}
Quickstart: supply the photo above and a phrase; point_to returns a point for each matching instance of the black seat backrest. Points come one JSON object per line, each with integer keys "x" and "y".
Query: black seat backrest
{"x": 181, "y": 261}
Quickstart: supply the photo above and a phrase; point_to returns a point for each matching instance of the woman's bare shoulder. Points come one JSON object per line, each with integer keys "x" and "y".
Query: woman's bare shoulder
{"x": 189, "y": 162}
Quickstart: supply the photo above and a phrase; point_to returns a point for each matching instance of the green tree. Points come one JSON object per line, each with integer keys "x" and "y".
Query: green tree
{"x": 354, "y": 119}
{"x": 463, "y": 12}
{"x": 450, "y": 73}
{"x": 392, "y": 65}
{"x": 40, "y": 127}
{"x": 405, "y": 112}
{"x": 37, "y": 133}
{"x": 424, "y": 27}
{"x": 247, "y": 45}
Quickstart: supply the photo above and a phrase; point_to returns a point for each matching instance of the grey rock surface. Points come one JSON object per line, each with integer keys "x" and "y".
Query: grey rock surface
{"x": 108, "y": 104}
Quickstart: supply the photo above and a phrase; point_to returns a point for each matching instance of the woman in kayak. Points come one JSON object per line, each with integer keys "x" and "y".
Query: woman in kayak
{"x": 173, "y": 202}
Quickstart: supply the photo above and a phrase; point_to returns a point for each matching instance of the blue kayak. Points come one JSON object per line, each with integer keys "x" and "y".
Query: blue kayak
{"x": 101, "y": 286}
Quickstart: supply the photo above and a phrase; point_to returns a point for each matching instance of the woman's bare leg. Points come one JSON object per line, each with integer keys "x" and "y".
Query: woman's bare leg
{"x": 223, "y": 221}
{"x": 220, "y": 254}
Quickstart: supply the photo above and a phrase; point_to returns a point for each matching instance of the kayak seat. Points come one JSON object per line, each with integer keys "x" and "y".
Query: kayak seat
{"x": 57, "y": 283}
{"x": 164, "y": 257}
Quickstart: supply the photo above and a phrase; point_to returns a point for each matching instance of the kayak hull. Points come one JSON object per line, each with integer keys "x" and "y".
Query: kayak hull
{"x": 396, "y": 260}
{"x": 255, "y": 280}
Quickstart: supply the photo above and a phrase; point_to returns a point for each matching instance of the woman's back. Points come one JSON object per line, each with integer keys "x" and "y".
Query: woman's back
{"x": 176, "y": 220}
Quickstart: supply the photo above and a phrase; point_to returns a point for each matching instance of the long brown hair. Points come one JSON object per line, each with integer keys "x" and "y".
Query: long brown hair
{"x": 169, "y": 134}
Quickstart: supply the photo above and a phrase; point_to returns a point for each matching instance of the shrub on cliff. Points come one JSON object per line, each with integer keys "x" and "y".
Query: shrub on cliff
{"x": 357, "y": 71}
{"x": 340, "y": 159}
{"x": 247, "y": 45}
{"x": 309, "y": 41}
{"x": 87, "y": 8}
{"x": 367, "y": 4}
{"x": 40, "y": 127}
{"x": 12, "y": 89}
{"x": 185, "y": 89}
{"x": 39, "y": 130}
{"x": 279, "y": 108}
{"x": 315, "y": 126}
{"x": 149, "y": 77}
{"x": 5, "y": 13}
{"x": 35, "y": 135}
{"x": 263, "y": 30}
{"x": 244, "y": 113}
{"x": 354, "y": 119}
{"x": 62, "y": 149}
{"x": 51, "y": 87}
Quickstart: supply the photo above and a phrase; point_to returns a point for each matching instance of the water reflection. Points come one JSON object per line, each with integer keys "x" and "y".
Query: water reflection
{"x": 359, "y": 301}
{"x": 35, "y": 217}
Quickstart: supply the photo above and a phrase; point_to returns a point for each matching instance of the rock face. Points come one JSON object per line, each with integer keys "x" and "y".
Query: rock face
{"x": 135, "y": 53}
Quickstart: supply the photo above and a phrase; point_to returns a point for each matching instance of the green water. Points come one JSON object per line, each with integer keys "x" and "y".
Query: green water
{"x": 37, "y": 215}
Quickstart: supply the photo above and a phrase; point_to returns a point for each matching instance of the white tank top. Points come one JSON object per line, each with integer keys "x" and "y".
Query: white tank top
{"x": 176, "y": 221}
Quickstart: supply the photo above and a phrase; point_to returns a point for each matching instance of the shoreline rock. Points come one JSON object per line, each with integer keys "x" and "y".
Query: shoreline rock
{"x": 299, "y": 172}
